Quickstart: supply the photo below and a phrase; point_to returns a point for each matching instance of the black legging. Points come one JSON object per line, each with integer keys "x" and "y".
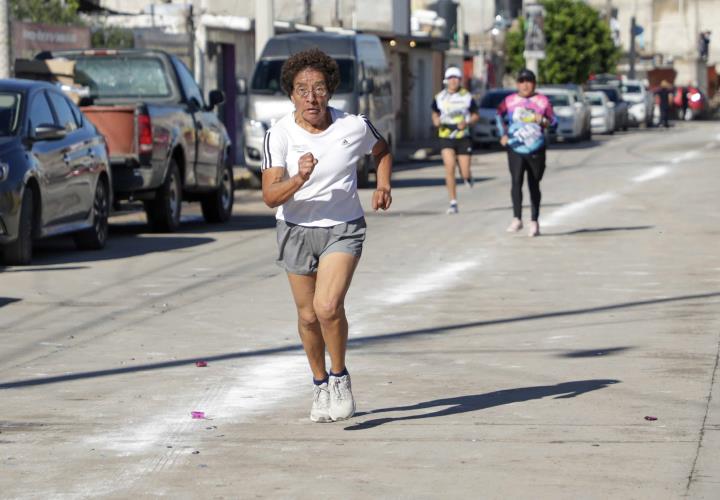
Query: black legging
{"x": 534, "y": 165}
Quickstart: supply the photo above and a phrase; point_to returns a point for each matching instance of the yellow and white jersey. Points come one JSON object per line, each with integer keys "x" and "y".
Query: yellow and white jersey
{"x": 453, "y": 108}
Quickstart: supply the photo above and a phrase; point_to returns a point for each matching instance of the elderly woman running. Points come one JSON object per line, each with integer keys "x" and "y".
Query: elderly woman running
{"x": 309, "y": 173}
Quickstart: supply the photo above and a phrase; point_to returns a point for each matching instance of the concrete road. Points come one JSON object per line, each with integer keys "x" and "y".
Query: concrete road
{"x": 485, "y": 364}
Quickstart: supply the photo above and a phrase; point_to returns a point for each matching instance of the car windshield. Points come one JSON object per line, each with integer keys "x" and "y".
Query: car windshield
{"x": 9, "y": 113}
{"x": 595, "y": 100}
{"x": 612, "y": 94}
{"x": 493, "y": 99}
{"x": 632, "y": 89}
{"x": 558, "y": 100}
{"x": 266, "y": 79}
{"x": 118, "y": 76}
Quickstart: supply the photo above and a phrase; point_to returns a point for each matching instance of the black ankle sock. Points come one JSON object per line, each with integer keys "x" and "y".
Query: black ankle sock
{"x": 320, "y": 382}
{"x": 341, "y": 374}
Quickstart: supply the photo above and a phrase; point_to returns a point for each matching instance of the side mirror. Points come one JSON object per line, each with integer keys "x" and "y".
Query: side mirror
{"x": 242, "y": 86}
{"x": 215, "y": 97}
{"x": 610, "y": 104}
{"x": 49, "y": 132}
{"x": 367, "y": 86}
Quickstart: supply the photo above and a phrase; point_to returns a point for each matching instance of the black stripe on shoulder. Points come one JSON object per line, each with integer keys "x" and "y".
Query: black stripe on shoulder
{"x": 267, "y": 157}
{"x": 372, "y": 128}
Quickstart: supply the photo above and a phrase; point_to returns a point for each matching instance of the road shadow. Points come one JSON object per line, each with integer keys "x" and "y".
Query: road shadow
{"x": 431, "y": 181}
{"x": 593, "y": 230}
{"x": 525, "y": 207}
{"x": 379, "y": 339}
{"x": 591, "y": 353}
{"x": 62, "y": 249}
{"x": 476, "y": 402}
{"x": 8, "y": 300}
{"x": 33, "y": 269}
{"x": 558, "y": 146}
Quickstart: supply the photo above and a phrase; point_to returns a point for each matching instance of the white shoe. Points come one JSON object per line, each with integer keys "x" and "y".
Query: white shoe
{"x": 469, "y": 183}
{"x": 515, "y": 226}
{"x": 453, "y": 208}
{"x": 320, "y": 411}
{"x": 342, "y": 403}
{"x": 534, "y": 229}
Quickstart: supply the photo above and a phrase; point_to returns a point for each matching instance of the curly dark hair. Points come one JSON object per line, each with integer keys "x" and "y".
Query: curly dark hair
{"x": 310, "y": 59}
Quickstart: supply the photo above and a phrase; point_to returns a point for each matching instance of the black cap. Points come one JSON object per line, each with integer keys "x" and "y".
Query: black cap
{"x": 526, "y": 74}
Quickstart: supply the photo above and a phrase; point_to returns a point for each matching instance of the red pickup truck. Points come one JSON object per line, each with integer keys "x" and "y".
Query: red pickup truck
{"x": 166, "y": 144}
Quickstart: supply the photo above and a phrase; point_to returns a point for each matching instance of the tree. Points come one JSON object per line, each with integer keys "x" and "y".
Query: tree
{"x": 46, "y": 11}
{"x": 578, "y": 44}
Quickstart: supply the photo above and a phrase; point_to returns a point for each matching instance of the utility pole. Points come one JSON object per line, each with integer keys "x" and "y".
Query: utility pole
{"x": 633, "y": 28}
{"x": 264, "y": 28}
{"x": 5, "y": 39}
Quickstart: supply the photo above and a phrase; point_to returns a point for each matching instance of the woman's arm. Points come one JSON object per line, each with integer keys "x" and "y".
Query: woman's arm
{"x": 383, "y": 168}
{"x": 277, "y": 189}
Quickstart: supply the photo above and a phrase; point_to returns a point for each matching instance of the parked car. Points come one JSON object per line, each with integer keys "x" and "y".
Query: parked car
{"x": 603, "y": 114}
{"x": 54, "y": 171}
{"x": 365, "y": 80}
{"x": 619, "y": 106}
{"x": 166, "y": 144}
{"x": 572, "y": 112}
{"x": 640, "y": 102}
{"x": 485, "y": 132}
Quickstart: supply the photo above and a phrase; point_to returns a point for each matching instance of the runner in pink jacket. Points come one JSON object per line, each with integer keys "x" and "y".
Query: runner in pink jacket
{"x": 522, "y": 119}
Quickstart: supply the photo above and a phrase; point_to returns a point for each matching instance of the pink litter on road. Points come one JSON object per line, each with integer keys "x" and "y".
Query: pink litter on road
{"x": 201, "y": 364}
{"x": 650, "y": 418}
{"x": 197, "y": 414}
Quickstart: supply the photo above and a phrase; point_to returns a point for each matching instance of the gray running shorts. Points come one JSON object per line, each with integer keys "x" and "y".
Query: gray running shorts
{"x": 300, "y": 248}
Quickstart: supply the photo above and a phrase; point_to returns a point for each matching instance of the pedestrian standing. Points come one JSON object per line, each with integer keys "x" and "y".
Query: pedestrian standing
{"x": 309, "y": 174}
{"x": 522, "y": 119}
{"x": 664, "y": 97}
{"x": 454, "y": 111}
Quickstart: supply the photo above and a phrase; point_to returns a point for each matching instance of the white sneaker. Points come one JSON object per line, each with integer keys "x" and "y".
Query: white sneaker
{"x": 320, "y": 411}
{"x": 534, "y": 229}
{"x": 342, "y": 404}
{"x": 515, "y": 226}
{"x": 453, "y": 208}
{"x": 469, "y": 183}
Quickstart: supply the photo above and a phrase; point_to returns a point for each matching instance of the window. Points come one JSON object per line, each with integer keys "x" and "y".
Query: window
{"x": 266, "y": 79}
{"x": 119, "y": 76}
{"x": 66, "y": 118}
{"x": 190, "y": 88}
{"x": 40, "y": 113}
{"x": 9, "y": 112}
{"x": 493, "y": 99}
{"x": 559, "y": 100}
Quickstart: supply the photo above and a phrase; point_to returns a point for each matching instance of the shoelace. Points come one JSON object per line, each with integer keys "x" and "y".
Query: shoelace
{"x": 317, "y": 392}
{"x": 340, "y": 389}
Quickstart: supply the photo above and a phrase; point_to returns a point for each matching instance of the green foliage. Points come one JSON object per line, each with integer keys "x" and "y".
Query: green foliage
{"x": 514, "y": 46}
{"x": 578, "y": 44}
{"x": 111, "y": 37}
{"x": 46, "y": 11}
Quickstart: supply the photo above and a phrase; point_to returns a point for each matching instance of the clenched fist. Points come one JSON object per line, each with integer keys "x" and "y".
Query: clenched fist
{"x": 306, "y": 165}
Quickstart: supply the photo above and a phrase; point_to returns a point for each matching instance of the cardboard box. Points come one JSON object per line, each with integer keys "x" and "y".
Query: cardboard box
{"x": 51, "y": 70}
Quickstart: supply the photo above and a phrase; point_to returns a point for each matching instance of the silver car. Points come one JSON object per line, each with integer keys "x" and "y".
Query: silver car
{"x": 485, "y": 132}
{"x": 640, "y": 101}
{"x": 573, "y": 114}
{"x": 603, "y": 115}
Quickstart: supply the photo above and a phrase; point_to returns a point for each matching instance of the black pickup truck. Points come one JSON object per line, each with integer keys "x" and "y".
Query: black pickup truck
{"x": 166, "y": 144}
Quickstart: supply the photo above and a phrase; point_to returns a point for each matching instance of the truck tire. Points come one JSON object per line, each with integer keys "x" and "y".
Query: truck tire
{"x": 95, "y": 237}
{"x": 217, "y": 206}
{"x": 163, "y": 213}
{"x": 19, "y": 252}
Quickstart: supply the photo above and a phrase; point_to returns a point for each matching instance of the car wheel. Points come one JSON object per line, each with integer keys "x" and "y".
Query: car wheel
{"x": 94, "y": 238}
{"x": 163, "y": 213}
{"x": 217, "y": 206}
{"x": 19, "y": 252}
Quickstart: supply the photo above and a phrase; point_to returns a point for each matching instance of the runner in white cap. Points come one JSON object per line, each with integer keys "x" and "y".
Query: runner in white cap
{"x": 454, "y": 111}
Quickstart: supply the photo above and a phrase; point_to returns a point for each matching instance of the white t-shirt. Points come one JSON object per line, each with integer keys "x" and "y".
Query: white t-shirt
{"x": 330, "y": 196}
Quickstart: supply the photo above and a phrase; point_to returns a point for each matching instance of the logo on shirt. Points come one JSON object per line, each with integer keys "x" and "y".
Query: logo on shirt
{"x": 345, "y": 142}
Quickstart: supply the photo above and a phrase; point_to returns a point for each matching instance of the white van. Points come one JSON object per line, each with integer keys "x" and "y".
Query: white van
{"x": 365, "y": 88}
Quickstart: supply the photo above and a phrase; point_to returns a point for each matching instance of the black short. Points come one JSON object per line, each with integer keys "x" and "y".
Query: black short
{"x": 460, "y": 146}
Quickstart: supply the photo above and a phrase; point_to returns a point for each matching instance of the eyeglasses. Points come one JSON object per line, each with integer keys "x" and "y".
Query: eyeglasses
{"x": 319, "y": 91}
